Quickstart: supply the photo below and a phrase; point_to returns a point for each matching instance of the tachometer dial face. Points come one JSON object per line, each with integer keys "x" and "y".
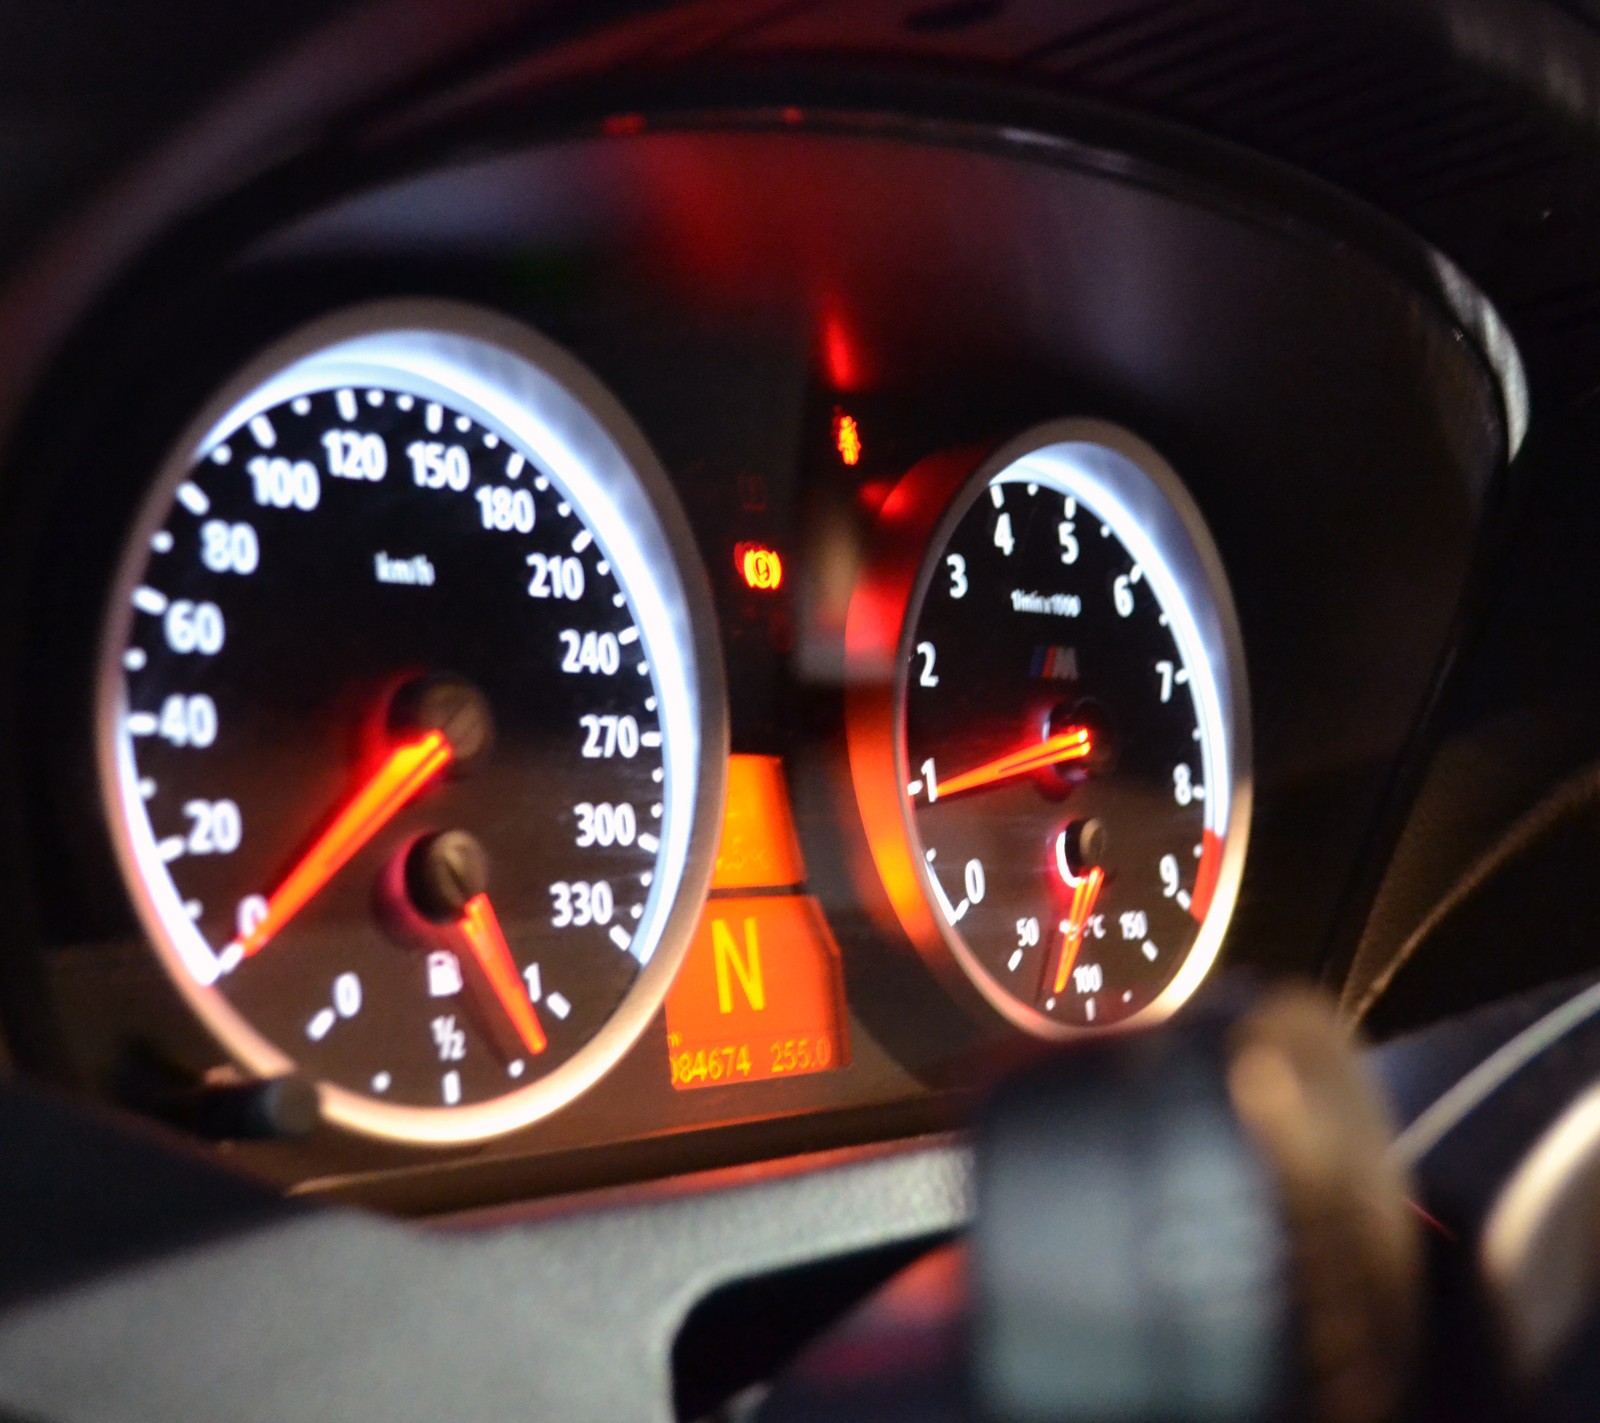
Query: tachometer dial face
{"x": 403, "y": 714}
{"x": 1070, "y": 739}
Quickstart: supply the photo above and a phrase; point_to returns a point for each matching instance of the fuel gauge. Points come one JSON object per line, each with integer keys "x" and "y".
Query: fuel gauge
{"x": 412, "y": 732}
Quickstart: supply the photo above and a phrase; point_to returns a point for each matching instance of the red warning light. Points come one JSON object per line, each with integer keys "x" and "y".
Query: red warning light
{"x": 847, "y": 437}
{"x": 759, "y": 566}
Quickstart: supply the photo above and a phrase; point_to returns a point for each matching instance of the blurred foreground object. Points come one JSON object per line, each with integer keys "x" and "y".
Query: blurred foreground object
{"x": 1196, "y": 1223}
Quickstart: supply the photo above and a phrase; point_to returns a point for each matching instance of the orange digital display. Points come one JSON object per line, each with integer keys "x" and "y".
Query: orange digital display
{"x": 758, "y": 848}
{"x": 759, "y": 993}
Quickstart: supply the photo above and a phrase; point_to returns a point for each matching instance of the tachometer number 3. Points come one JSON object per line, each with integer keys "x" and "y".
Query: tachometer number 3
{"x": 958, "y": 575}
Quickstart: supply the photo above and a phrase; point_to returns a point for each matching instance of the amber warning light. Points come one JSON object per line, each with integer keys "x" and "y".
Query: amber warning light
{"x": 758, "y": 995}
{"x": 847, "y": 437}
{"x": 759, "y": 566}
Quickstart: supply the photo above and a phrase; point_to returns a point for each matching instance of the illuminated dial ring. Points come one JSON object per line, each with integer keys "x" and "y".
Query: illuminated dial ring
{"x": 445, "y": 376}
{"x": 1064, "y": 725}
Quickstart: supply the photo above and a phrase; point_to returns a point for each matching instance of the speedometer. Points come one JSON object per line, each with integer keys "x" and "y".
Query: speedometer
{"x": 409, "y": 736}
{"x": 1064, "y": 727}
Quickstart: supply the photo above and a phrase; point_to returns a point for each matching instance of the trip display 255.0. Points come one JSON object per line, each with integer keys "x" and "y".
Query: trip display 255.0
{"x": 410, "y": 747}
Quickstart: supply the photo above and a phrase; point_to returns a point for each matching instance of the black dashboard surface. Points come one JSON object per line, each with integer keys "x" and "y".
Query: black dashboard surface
{"x": 1335, "y": 263}
{"x": 737, "y": 281}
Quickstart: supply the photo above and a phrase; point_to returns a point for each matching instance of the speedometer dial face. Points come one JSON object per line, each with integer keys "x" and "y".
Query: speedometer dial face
{"x": 403, "y": 716}
{"x": 1072, "y": 744}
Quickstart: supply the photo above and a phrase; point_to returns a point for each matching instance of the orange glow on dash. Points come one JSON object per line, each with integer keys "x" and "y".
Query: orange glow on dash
{"x": 760, "y": 567}
{"x": 759, "y": 848}
{"x": 480, "y": 927}
{"x": 847, "y": 438}
{"x": 871, "y": 494}
{"x": 405, "y": 771}
{"x": 840, "y": 359}
{"x": 758, "y": 995}
{"x": 621, "y": 125}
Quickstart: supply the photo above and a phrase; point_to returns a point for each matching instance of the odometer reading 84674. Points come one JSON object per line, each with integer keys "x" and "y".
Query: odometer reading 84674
{"x": 1072, "y": 744}
{"x": 402, "y": 725}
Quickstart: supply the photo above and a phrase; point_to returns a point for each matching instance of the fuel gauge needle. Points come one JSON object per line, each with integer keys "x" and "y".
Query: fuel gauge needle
{"x": 1084, "y": 894}
{"x": 480, "y": 927}
{"x": 404, "y": 772}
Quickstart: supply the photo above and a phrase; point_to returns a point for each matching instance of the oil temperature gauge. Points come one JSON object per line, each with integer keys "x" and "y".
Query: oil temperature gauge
{"x": 1056, "y": 775}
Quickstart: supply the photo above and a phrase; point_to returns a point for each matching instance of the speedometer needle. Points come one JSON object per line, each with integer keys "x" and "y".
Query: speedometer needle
{"x": 404, "y": 772}
{"x": 480, "y": 927}
{"x": 1073, "y": 744}
{"x": 1084, "y": 894}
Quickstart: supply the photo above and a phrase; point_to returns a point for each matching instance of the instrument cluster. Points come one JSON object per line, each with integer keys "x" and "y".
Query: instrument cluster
{"x": 693, "y": 641}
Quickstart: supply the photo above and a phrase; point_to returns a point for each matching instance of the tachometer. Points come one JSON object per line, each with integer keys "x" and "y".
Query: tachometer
{"x": 1065, "y": 729}
{"x": 410, "y": 744}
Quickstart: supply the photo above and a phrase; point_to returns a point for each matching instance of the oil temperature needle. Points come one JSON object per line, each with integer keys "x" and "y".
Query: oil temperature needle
{"x": 480, "y": 927}
{"x": 404, "y": 772}
{"x": 1073, "y": 744}
{"x": 1084, "y": 895}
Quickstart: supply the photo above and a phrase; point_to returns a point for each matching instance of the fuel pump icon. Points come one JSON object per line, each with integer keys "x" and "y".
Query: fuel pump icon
{"x": 444, "y": 974}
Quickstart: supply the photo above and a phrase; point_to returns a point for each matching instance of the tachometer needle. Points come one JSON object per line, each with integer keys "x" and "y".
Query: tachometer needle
{"x": 480, "y": 927}
{"x": 1073, "y": 744}
{"x": 404, "y": 772}
{"x": 1084, "y": 895}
